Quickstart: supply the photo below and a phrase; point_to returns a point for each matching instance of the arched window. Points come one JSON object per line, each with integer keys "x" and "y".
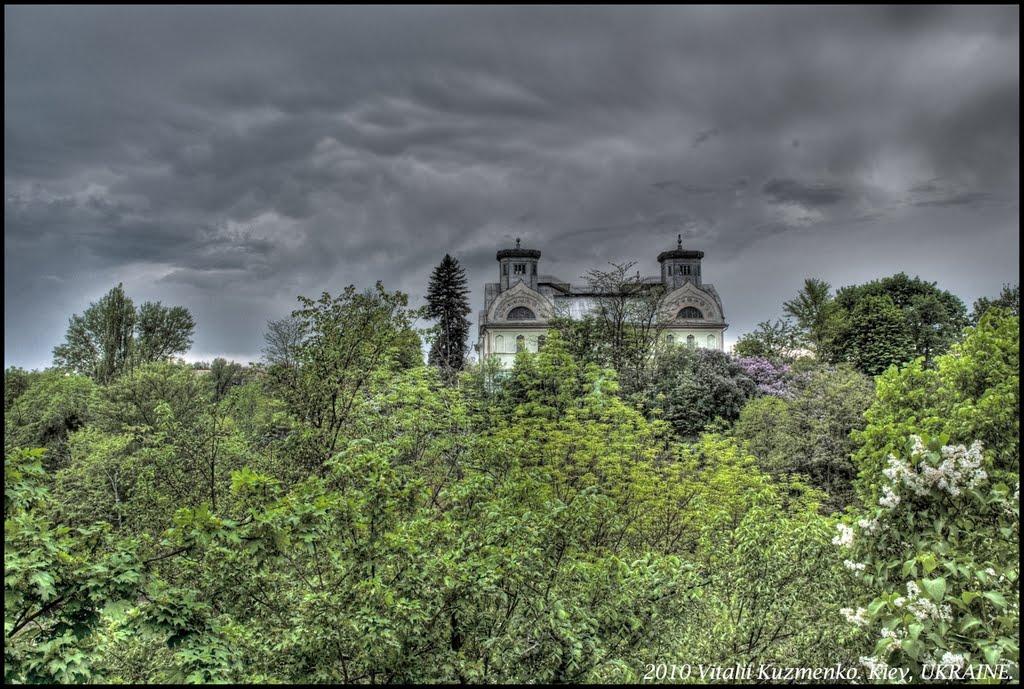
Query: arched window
{"x": 711, "y": 342}
{"x": 669, "y": 338}
{"x": 690, "y": 312}
{"x": 499, "y": 344}
{"x": 540, "y": 342}
{"x": 520, "y": 344}
{"x": 521, "y": 313}
{"x": 691, "y": 342}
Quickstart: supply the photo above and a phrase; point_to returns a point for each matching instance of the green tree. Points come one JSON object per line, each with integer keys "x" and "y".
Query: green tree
{"x": 54, "y": 405}
{"x": 448, "y": 304}
{"x": 282, "y": 341}
{"x": 1008, "y": 300}
{"x": 873, "y": 336}
{"x": 777, "y": 340}
{"x": 810, "y": 310}
{"x": 809, "y": 431}
{"x": 223, "y": 376}
{"x": 162, "y": 331}
{"x": 58, "y": 582}
{"x": 585, "y": 338}
{"x": 348, "y": 340}
{"x": 110, "y": 336}
{"x": 100, "y": 342}
{"x": 891, "y": 321}
{"x": 16, "y": 381}
{"x": 627, "y": 322}
{"x": 972, "y": 393}
{"x": 692, "y": 388}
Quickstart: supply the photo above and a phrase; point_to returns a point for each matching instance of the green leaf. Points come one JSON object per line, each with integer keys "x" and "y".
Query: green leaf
{"x": 935, "y": 588}
{"x": 43, "y": 582}
{"x": 970, "y": 622}
{"x": 997, "y": 598}
{"x": 991, "y": 653}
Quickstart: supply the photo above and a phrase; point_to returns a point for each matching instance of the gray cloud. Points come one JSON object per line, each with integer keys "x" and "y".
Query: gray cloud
{"x": 788, "y": 190}
{"x": 229, "y": 159}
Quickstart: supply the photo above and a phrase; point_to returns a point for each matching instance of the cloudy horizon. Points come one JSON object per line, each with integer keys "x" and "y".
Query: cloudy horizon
{"x": 229, "y": 159}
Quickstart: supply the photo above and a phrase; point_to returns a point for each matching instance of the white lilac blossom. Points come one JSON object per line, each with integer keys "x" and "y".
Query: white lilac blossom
{"x": 845, "y": 536}
{"x": 889, "y": 498}
{"x": 895, "y": 637}
{"x": 952, "y": 659}
{"x": 959, "y": 469}
{"x": 869, "y": 526}
{"x": 853, "y": 566}
{"x": 858, "y": 617}
{"x": 921, "y": 607}
{"x": 875, "y": 666}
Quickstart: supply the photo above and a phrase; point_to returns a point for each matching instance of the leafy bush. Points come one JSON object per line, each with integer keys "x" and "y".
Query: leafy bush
{"x": 939, "y": 553}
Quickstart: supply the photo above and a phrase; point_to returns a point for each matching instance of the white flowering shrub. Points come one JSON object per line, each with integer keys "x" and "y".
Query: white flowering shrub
{"x": 938, "y": 551}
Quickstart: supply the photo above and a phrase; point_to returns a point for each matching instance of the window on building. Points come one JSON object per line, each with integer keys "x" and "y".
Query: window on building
{"x": 533, "y": 268}
{"x": 540, "y": 342}
{"x": 669, "y": 338}
{"x": 691, "y": 341}
{"x": 711, "y": 342}
{"x": 520, "y": 343}
{"x": 499, "y": 344}
{"x": 504, "y": 269}
{"x": 521, "y": 313}
{"x": 698, "y": 269}
{"x": 690, "y": 312}
{"x": 519, "y": 269}
{"x": 686, "y": 270}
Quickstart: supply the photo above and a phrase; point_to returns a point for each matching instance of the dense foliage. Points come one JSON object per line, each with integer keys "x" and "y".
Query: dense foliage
{"x": 892, "y": 321}
{"x": 808, "y": 430}
{"x": 344, "y": 513}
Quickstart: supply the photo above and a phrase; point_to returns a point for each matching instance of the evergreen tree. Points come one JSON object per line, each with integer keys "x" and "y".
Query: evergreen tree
{"x": 447, "y": 303}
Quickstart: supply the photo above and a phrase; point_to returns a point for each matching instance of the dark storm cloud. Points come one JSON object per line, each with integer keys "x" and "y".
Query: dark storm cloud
{"x": 788, "y": 190}
{"x": 231, "y": 158}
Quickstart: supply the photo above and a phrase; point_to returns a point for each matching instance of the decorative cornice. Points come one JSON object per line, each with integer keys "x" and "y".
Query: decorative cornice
{"x": 518, "y": 253}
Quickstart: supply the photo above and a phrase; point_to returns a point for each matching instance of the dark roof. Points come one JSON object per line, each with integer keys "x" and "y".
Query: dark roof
{"x": 518, "y": 253}
{"x": 679, "y": 253}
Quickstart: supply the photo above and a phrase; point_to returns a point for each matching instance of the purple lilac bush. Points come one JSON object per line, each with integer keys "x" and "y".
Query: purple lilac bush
{"x": 771, "y": 378}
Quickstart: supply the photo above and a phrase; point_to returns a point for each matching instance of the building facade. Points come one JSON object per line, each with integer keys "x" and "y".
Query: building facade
{"x": 518, "y": 308}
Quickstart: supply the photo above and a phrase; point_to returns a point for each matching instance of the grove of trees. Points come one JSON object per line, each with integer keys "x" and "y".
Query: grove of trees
{"x": 844, "y": 490}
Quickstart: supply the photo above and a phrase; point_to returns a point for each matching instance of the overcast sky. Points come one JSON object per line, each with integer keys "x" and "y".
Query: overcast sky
{"x": 229, "y": 159}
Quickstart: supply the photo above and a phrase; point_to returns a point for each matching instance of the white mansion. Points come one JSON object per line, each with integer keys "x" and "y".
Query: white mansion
{"x": 517, "y": 307}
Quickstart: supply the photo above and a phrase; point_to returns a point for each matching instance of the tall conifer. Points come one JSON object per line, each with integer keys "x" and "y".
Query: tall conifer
{"x": 447, "y": 303}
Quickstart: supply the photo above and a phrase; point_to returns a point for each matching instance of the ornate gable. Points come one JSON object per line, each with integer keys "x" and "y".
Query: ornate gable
{"x": 520, "y": 295}
{"x": 689, "y": 295}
